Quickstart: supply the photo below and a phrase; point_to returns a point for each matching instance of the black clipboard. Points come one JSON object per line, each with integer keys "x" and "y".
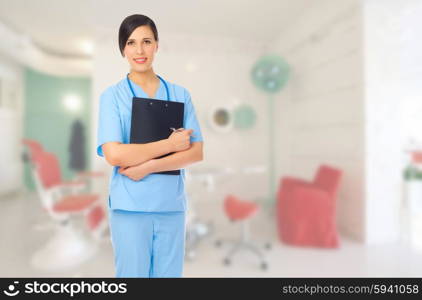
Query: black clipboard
{"x": 151, "y": 121}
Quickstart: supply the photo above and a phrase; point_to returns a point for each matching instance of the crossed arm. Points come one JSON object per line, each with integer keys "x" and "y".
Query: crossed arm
{"x": 138, "y": 160}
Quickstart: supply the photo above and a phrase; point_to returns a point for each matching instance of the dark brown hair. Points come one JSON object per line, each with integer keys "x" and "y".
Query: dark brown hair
{"x": 129, "y": 24}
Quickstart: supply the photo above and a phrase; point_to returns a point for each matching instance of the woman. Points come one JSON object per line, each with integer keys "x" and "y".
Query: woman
{"x": 147, "y": 211}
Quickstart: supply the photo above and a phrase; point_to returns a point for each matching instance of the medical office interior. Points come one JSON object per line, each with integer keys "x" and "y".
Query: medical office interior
{"x": 311, "y": 118}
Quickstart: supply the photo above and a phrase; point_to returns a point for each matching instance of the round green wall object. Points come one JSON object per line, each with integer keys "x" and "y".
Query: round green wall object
{"x": 244, "y": 117}
{"x": 270, "y": 73}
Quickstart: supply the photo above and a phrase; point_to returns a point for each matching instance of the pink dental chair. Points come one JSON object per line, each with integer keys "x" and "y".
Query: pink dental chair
{"x": 64, "y": 202}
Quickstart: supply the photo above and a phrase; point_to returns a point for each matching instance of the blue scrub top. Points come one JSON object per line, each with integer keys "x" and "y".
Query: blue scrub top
{"x": 155, "y": 192}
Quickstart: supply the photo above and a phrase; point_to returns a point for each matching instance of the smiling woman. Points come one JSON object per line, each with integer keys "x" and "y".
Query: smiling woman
{"x": 147, "y": 208}
{"x": 139, "y": 45}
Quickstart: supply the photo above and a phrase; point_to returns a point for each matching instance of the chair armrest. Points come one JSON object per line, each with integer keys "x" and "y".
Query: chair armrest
{"x": 90, "y": 174}
{"x": 288, "y": 184}
{"x": 289, "y": 181}
{"x": 71, "y": 187}
{"x": 72, "y": 184}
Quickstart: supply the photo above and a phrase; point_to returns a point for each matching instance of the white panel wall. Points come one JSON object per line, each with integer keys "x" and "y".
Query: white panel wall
{"x": 392, "y": 79}
{"x": 11, "y": 128}
{"x": 321, "y": 110}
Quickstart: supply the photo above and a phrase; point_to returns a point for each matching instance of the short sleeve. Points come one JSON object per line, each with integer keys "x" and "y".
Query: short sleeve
{"x": 109, "y": 125}
{"x": 190, "y": 121}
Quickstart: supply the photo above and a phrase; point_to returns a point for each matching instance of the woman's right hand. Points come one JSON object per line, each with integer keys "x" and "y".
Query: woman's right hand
{"x": 180, "y": 139}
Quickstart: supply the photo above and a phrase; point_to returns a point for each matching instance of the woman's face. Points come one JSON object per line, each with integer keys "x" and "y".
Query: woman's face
{"x": 140, "y": 49}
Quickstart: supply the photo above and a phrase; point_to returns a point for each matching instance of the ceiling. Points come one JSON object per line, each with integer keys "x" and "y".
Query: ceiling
{"x": 67, "y": 28}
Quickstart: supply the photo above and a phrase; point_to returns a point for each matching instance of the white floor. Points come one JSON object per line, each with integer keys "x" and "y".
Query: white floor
{"x": 24, "y": 228}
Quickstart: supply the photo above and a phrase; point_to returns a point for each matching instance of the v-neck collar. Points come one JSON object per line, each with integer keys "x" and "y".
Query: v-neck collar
{"x": 139, "y": 91}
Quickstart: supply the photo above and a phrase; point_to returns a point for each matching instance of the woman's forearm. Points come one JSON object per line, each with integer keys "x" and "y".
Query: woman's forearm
{"x": 177, "y": 160}
{"x": 126, "y": 155}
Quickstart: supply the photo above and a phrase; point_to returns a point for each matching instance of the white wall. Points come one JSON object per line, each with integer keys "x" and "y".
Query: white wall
{"x": 219, "y": 74}
{"x": 392, "y": 81}
{"x": 11, "y": 129}
{"x": 411, "y": 73}
{"x": 321, "y": 111}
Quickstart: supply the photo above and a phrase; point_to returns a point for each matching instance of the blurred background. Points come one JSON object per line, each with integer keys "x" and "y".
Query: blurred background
{"x": 311, "y": 117}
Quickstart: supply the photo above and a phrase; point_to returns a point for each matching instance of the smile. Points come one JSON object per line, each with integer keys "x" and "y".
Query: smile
{"x": 140, "y": 60}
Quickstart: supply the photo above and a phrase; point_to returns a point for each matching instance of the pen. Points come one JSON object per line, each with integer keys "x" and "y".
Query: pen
{"x": 174, "y": 129}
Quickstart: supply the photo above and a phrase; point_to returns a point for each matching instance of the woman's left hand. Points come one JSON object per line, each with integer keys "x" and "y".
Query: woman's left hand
{"x": 137, "y": 172}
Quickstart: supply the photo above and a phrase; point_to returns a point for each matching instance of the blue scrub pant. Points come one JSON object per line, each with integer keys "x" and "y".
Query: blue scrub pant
{"x": 148, "y": 244}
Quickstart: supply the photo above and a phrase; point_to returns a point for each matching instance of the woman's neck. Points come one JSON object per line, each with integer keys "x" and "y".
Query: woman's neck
{"x": 143, "y": 78}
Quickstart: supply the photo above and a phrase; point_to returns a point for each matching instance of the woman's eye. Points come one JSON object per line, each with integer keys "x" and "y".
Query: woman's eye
{"x": 131, "y": 42}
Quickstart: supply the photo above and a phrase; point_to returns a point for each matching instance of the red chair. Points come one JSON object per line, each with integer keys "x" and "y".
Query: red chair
{"x": 416, "y": 157}
{"x": 67, "y": 247}
{"x": 306, "y": 211}
{"x": 79, "y": 184}
{"x": 34, "y": 148}
{"x": 238, "y": 210}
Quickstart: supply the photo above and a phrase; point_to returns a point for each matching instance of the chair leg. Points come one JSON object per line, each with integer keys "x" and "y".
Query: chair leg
{"x": 255, "y": 250}
{"x": 220, "y": 242}
{"x": 65, "y": 249}
{"x": 195, "y": 232}
{"x": 244, "y": 243}
{"x": 236, "y": 247}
